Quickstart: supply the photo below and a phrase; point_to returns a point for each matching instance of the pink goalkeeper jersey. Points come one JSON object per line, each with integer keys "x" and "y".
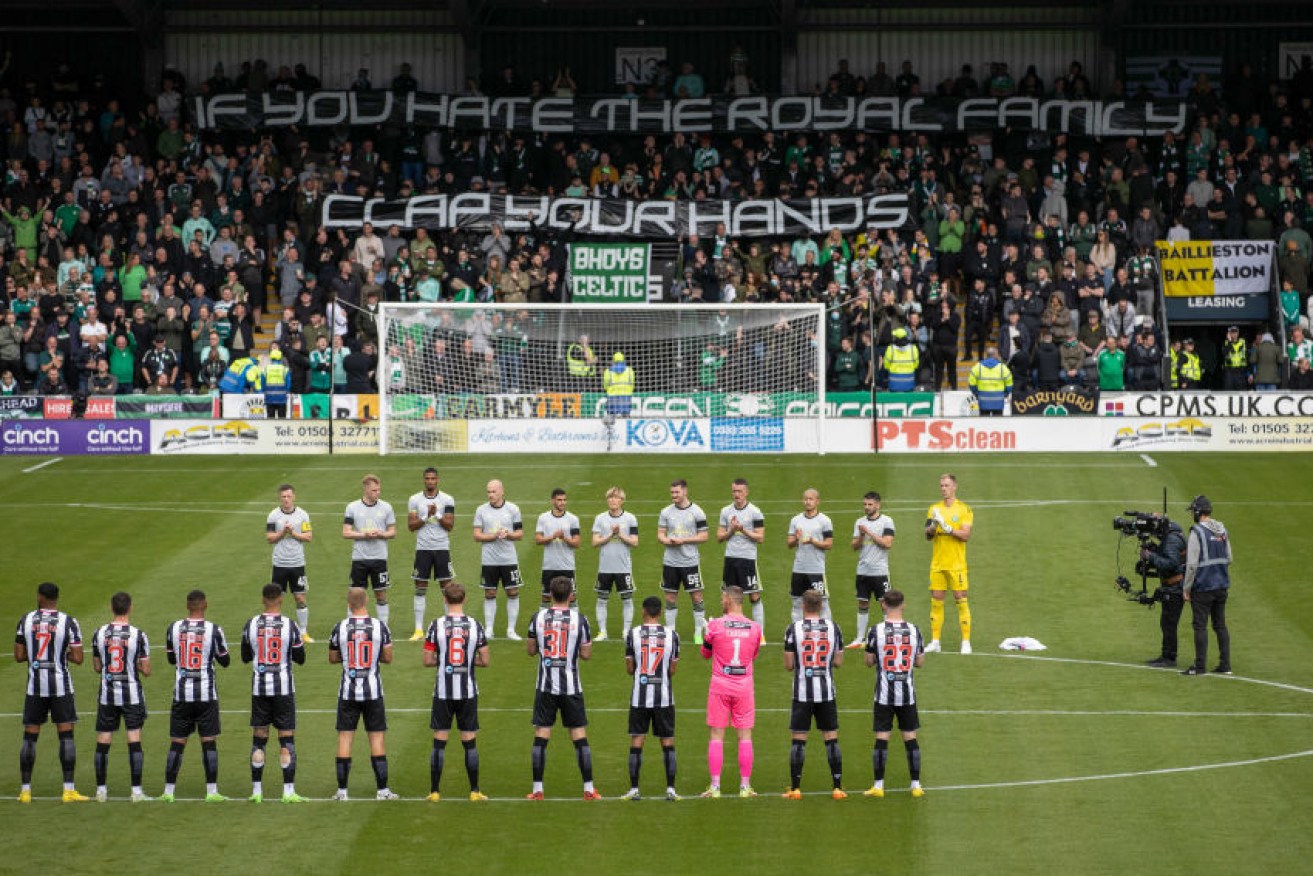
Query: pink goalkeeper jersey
{"x": 733, "y": 643}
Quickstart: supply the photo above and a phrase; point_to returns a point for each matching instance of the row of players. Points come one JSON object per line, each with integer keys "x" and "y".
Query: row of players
{"x": 682, "y": 528}
{"x": 455, "y": 645}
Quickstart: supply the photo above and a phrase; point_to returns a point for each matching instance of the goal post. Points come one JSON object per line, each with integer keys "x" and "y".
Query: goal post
{"x": 534, "y": 378}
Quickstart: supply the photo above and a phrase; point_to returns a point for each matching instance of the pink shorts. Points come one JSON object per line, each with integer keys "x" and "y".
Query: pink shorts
{"x": 730, "y": 710}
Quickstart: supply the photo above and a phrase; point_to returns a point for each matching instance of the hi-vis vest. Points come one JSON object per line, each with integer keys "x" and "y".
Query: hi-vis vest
{"x": 618, "y": 383}
{"x": 991, "y": 384}
{"x": 1190, "y": 368}
{"x": 1235, "y": 355}
{"x": 243, "y": 375}
{"x": 577, "y": 362}
{"x": 276, "y": 381}
{"x": 901, "y": 363}
{"x": 1213, "y": 571}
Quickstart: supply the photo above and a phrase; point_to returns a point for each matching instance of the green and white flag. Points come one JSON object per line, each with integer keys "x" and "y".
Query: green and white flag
{"x": 610, "y": 273}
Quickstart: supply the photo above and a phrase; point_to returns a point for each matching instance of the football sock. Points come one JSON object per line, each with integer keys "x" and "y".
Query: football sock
{"x": 380, "y": 764}
{"x": 672, "y": 616}
{"x": 715, "y": 759}
{"x": 964, "y": 618}
{"x": 68, "y": 756}
{"x": 343, "y": 772}
{"x": 668, "y": 758}
{"x": 101, "y": 762}
{"x": 635, "y": 765}
{"x": 136, "y": 761}
{"x": 759, "y": 613}
{"x": 489, "y": 614}
{"x": 602, "y": 599}
{"x": 421, "y": 608}
{"x": 835, "y": 758}
{"x": 472, "y": 762}
{"x": 27, "y": 756}
{"x": 584, "y": 755}
{"x": 288, "y": 760}
{"x": 210, "y": 760}
{"x": 627, "y": 611}
{"x": 936, "y": 618}
{"x": 539, "y": 760}
{"x": 699, "y": 617}
{"x": 745, "y": 761}
{"x": 880, "y": 759}
{"x": 173, "y": 763}
{"x": 302, "y": 618}
{"x": 797, "y": 755}
{"x": 384, "y": 612}
{"x": 863, "y": 621}
{"x": 796, "y": 610}
{"x": 437, "y": 759}
{"x": 512, "y": 613}
{"x": 913, "y": 759}
{"x": 258, "y": 744}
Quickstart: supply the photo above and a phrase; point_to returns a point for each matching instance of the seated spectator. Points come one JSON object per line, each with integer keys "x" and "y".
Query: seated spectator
{"x": 1072, "y": 362}
{"x": 1302, "y": 377}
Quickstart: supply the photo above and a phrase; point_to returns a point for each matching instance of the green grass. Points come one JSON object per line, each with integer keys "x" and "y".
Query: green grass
{"x": 1075, "y": 759}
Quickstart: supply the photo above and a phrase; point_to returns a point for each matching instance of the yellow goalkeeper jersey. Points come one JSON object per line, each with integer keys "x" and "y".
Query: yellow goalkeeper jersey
{"x": 949, "y": 554}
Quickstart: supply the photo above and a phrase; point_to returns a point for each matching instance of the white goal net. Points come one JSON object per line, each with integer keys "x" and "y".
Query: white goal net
{"x": 602, "y": 377}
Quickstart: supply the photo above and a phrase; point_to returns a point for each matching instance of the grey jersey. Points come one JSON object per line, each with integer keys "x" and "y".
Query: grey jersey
{"x": 431, "y": 536}
{"x": 683, "y": 522}
{"x": 739, "y": 546}
{"x": 810, "y": 559}
{"x": 873, "y": 560}
{"x": 289, "y": 553}
{"x": 488, "y": 520}
{"x": 557, "y": 555}
{"x": 615, "y": 557}
{"x": 374, "y": 518}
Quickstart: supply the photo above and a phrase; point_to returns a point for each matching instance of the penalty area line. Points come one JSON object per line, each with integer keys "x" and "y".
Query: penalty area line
{"x": 1148, "y": 460}
{"x": 41, "y": 465}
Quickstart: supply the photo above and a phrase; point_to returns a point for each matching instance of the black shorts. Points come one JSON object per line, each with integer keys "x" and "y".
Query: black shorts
{"x": 280, "y": 711}
{"x": 465, "y": 713}
{"x": 571, "y": 707}
{"x": 109, "y": 717}
{"x": 548, "y": 575}
{"x": 872, "y": 587}
{"x": 60, "y": 710}
{"x": 370, "y": 573}
{"x": 290, "y": 578}
{"x": 741, "y": 572}
{"x": 349, "y": 713}
{"x": 826, "y": 715}
{"x": 203, "y": 718}
{"x": 906, "y": 715}
{"x": 801, "y": 582}
{"x": 433, "y": 565}
{"x": 506, "y": 576}
{"x": 675, "y": 577}
{"x": 623, "y": 582}
{"x": 660, "y": 720}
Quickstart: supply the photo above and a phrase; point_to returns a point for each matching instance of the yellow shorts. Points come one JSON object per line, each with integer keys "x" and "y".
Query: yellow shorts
{"x": 946, "y": 579}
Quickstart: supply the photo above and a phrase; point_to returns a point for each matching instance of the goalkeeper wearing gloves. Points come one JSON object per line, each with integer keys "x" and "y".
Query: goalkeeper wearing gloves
{"x": 948, "y": 529}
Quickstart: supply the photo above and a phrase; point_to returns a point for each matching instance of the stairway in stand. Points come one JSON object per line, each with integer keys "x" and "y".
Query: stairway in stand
{"x": 273, "y": 312}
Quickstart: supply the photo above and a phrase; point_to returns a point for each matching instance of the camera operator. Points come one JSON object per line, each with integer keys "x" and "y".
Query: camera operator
{"x": 1207, "y": 583}
{"x": 1169, "y": 561}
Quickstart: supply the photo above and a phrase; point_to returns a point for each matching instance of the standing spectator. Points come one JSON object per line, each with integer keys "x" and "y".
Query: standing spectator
{"x": 945, "y": 327}
{"x": 1266, "y": 359}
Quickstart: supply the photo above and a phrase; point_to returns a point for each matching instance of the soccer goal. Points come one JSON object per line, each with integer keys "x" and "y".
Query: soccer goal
{"x": 601, "y": 377}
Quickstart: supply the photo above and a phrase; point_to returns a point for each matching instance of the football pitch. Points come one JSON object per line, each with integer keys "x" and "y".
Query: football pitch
{"x": 1078, "y": 758}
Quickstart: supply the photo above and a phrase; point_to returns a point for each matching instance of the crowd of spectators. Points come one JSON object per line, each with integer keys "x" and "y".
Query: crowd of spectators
{"x": 137, "y": 245}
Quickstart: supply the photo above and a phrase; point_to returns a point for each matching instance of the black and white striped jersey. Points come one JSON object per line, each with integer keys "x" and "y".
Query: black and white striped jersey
{"x": 895, "y": 645}
{"x": 360, "y": 640}
{"x": 118, "y": 647}
{"x": 455, "y": 641}
{"x": 814, "y": 642}
{"x": 654, "y": 649}
{"x": 560, "y": 633}
{"x": 47, "y": 634}
{"x": 193, "y": 646}
{"x": 270, "y": 643}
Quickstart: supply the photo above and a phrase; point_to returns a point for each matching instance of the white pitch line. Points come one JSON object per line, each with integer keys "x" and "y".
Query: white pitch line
{"x": 41, "y": 465}
{"x": 1148, "y": 460}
